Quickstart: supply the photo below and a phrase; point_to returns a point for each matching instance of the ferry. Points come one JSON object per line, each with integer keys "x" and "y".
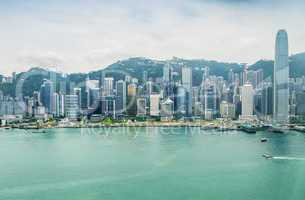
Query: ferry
{"x": 264, "y": 139}
{"x": 275, "y": 130}
{"x": 267, "y": 156}
{"x": 248, "y": 129}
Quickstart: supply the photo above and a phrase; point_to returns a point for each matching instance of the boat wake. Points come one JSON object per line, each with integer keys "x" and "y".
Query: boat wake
{"x": 287, "y": 158}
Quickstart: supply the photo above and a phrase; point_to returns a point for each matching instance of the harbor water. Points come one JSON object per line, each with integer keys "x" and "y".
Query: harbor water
{"x": 150, "y": 163}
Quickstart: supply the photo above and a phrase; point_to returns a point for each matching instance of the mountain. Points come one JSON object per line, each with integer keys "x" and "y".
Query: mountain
{"x": 135, "y": 67}
{"x": 296, "y": 63}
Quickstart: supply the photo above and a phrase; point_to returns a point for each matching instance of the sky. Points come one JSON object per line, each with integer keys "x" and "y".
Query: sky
{"x": 86, "y": 35}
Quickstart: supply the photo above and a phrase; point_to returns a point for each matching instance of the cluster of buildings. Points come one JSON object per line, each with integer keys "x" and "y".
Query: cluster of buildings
{"x": 245, "y": 95}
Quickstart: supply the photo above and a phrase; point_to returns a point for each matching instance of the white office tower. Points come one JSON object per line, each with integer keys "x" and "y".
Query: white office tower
{"x": 71, "y": 107}
{"x": 186, "y": 73}
{"x": 154, "y": 104}
{"x": 281, "y": 79}
{"x": 108, "y": 86}
{"x": 247, "y": 97}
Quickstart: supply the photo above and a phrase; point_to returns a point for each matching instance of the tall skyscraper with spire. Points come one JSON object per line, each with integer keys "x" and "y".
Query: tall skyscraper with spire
{"x": 281, "y": 79}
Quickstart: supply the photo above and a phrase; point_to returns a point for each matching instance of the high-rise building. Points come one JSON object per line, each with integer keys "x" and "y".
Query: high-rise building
{"x": 167, "y": 73}
{"x": 121, "y": 97}
{"x": 107, "y": 106}
{"x": 180, "y": 103}
{"x": 154, "y": 104}
{"x": 47, "y": 96}
{"x": 141, "y": 106}
{"x": 210, "y": 101}
{"x": 108, "y": 86}
{"x": 94, "y": 98}
{"x": 281, "y": 79}
{"x": 186, "y": 73}
{"x": 247, "y": 100}
{"x": 132, "y": 90}
{"x": 227, "y": 110}
{"x": 56, "y": 104}
{"x": 78, "y": 92}
{"x": 61, "y": 105}
{"x": 167, "y": 109}
{"x": 71, "y": 107}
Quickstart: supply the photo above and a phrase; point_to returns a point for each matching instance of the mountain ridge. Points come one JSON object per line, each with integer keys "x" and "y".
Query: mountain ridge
{"x": 135, "y": 66}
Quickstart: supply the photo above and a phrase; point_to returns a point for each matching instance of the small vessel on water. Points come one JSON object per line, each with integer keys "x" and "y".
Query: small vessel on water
{"x": 39, "y": 131}
{"x": 275, "y": 130}
{"x": 267, "y": 156}
{"x": 264, "y": 139}
{"x": 248, "y": 128}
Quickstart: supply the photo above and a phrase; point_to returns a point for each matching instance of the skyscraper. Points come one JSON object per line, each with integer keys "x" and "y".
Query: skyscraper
{"x": 281, "y": 79}
{"x": 187, "y": 84}
{"x": 108, "y": 86}
{"x": 154, "y": 104}
{"x": 121, "y": 96}
{"x": 247, "y": 97}
{"x": 47, "y": 95}
{"x": 71, "y": 107}
{"x": 167, "y": 73}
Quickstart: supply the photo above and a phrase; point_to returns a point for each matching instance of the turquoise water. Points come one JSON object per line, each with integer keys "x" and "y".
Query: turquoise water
{"x": 150, "y": 163}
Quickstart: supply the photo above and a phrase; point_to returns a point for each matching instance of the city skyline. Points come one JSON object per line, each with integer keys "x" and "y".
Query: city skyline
{"x": 74, "y": 37}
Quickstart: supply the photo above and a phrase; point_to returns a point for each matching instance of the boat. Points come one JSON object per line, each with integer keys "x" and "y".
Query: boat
{"x": 39, "y": 131}
{"x": 264, "y": 139}
{"x": 248, "y": 129}
{"x": 275, "y": 130}
{"x": 267, "y": 156}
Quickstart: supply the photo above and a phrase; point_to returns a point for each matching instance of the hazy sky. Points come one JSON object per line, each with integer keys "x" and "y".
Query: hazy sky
{"x": 84, "y": 35}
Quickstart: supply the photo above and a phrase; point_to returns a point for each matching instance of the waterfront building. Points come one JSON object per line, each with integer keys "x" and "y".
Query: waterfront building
{"x": 267, "y": 100}
{"x": 167, "y": 85}
{"x": 108, "y": 106}
{"x": 78, "y": 92}
{"x": 198, "y": 111}
{"x": 167, "y": 110}
{"x": 247, "y": 100}
{"x": 210, "y": 101}
{"x": 121, "y": 97}
{"x": 281, "y": 79}
{"x": 56, "y": 105}
{"x": 40, "y": 112}
{"x": 227, "y": 110}
{"x": 94, "y": 97}
{"x": 141, "y": 106}
{"x": 72, "y": 107}
{"x": 47, "y": 96}
{"x": 300, "y": 105}
{"x": 36, "y": 98}
{"x": 61, "y": 105}
{"x": 29, "y": 103}
{"x": 186, "y": 73}
{"x": 154, "y": 107}
{"x": 180, "y": 101}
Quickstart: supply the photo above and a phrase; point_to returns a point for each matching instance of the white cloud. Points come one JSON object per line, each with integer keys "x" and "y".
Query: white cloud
{"x": 88, "y": 35}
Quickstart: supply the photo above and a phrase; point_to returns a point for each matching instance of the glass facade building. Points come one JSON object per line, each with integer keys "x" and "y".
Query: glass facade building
{"x": 281, "y": 79}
